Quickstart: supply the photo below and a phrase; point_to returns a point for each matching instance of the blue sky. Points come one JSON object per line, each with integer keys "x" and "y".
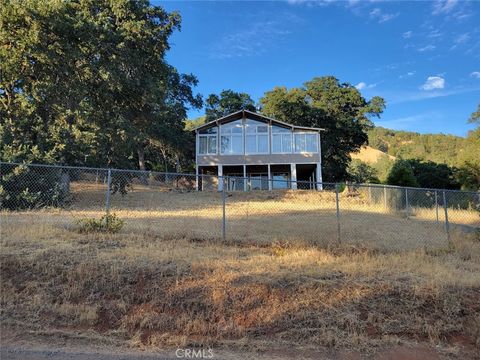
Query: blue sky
{"x": 422, "y": 57}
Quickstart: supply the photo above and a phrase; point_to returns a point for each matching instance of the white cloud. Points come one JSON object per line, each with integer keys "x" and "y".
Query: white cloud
{"x": 380, "y": 16}
{"x": 362, "y": 85}
{"x": 427, "y": 48}
{"x": 475, "y": 74}
{"x": 407, "y": 34}
{"x": 408, "y": 74}
{"x": 433, "y": 82}
{"x": 258, "y": 38}
{"x": 462, "y": 38}
{"x": 405, "y": 122}
{"x": 443, "y": 6}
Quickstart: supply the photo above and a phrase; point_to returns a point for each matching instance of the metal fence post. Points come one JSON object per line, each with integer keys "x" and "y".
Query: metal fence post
{"x": 107, "y": 198}
{"x": 385, "y": 197}
{"x": 338, "y": 214}
{"x": 436, "y": 204}
{"x": 224, "y": 218}
{"x": 406, "y": 202}
{"x": 447, "y": 225}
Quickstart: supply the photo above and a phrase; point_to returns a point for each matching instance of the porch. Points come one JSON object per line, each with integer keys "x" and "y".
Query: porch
{"x": 260, "y": 177}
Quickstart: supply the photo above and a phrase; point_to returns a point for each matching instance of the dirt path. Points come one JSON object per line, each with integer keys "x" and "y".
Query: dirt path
{"x": 9, "y": 353}
{"x": 15, "y": 345}
{"x": 398, "y": 353}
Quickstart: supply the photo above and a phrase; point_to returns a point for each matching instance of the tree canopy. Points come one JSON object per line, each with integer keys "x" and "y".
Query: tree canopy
{"x": 401, "y": 174}
{"x": 227, "y": 102}
{"x": 87, "y": 82}
{"x": 326, "y": 103}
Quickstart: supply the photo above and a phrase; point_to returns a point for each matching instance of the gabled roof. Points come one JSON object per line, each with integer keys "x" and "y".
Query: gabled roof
{"x": 254, "y": 116}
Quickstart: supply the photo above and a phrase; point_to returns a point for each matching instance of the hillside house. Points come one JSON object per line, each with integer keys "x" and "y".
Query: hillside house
{"x": 257, "y": 152}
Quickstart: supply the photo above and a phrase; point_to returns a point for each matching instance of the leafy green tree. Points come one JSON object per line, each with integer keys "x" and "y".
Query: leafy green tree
{"x": 337, "y": 107}
{"x": 382, "y": 167}
{"x": 469, "y": 176}
{"x": 226, "y": 103}
{"x": 475, "y": 117}
{"x": 401, "y": 174}
{"x": 360, "y": 172}
{"x": 87, "y": 82}
{"x": 433, "y": 175}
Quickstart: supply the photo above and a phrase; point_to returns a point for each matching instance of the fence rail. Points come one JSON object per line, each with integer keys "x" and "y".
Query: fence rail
{"x": 169, "y": 205}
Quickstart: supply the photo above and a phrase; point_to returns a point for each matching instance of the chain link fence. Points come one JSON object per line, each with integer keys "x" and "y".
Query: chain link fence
{"x": 236, "y": 209}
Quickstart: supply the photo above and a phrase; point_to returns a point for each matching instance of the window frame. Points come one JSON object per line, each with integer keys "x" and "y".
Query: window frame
{"x": 289, "y": 133}
{"x": 208, "y": 137}
{"x": 305, "y": 133}
{"x": 226, "y": 131}
{"x": 257, "y": 134}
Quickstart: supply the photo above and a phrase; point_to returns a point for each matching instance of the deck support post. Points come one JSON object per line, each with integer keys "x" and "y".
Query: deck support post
{"x": 244, "y": 177}
{"x": 220, "y": 178}
{"x": 293, "y": 176}
{"x": 269, "y": 178}
{"x": 318, "y": 175}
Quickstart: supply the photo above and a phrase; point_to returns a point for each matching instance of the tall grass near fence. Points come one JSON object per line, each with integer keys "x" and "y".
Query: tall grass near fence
{"x": 171, "y": 205}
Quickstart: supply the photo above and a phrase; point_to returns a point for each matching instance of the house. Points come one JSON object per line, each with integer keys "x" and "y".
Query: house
{"x": 253, "y": 151}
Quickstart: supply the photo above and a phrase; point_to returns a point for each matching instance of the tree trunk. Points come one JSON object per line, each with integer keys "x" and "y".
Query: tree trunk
{"x": 141, "y": 164}
{"x": 141, "y": 158}
{"x": 178, "y": 169}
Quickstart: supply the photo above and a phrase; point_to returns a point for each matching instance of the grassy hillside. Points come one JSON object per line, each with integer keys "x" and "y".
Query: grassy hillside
{"x": 439, "y": 148}
{"x": 369, "y": 155}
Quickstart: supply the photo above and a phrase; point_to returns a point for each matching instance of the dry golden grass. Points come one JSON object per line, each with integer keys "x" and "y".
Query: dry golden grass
{"x": 260, "y": 217}
{"x": 153, "y": 291}
{"x": 167, "y": 279}
{"x": 370, "y": 155}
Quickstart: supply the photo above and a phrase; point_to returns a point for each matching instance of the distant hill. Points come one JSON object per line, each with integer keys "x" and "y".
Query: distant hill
{"x": 439, "y": 148}
{"x": 370, "y": 155}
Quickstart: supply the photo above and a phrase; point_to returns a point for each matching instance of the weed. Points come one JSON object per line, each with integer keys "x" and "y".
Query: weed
{"x": 109, "y": 223}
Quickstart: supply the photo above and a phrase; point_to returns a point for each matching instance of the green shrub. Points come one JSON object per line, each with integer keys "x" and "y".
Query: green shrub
{"x": 29, "y": 187}
{"x": 107, "y": 223}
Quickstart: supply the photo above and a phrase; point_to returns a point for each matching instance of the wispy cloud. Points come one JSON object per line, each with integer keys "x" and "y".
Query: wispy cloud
{"x": 408, "y": 74}
{"x": 462, "y": 38}
{"x": 427, "y": 48}
{"x": 362, "y": 85}
{"x": 404, "y": 122}
{"x": 452, "y": 9}
{"x": 433, "y": 82}
{"x": 475, "y": 74}
{"x": 256, "y": 39}
{"x": 399, "y": 97}
{"x": 407, "y": 34}
{"x": 378, "y": 15}
{"x": 443, "y": 6}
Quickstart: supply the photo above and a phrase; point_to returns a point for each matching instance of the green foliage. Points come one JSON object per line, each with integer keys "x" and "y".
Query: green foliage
{"x": 401, "y": 174}
{"x": 475, "y": 117}
{"x": 360, "y": 172}
{"x": 337, "y": 107}
{"x": 86, "y": 83}
{"x": 433, "y": 175}
{"x": 110, "y": 223}
{"x": 226, "y": 103}
{"x": 25, "y": 187}
{"x": 382, "y": 167}
{"x": 192, "y": 124}
{"x": 438, "y": 148}
{"x": 469, "y": 176}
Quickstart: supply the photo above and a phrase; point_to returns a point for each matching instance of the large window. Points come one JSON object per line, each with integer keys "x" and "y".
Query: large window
{"x": 207, "y": 141}
{"x": 306, "y": 142}
{"x": 281, "y": 140}
{"x": 256, "y": 140}
{"x": 231, "y": 138}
